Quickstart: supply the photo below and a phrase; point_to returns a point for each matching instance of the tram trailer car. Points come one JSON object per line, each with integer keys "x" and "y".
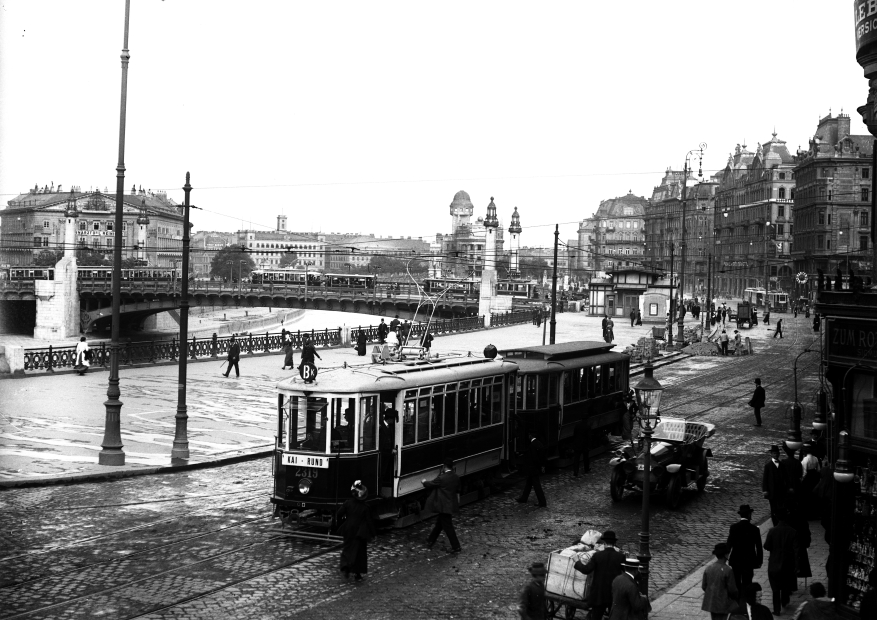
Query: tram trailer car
{"x": 389, "y": 426}
{"x": 558, "y": 385}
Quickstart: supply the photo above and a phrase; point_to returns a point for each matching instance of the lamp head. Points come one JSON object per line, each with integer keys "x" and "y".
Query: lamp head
{"x": 843, "y": 471}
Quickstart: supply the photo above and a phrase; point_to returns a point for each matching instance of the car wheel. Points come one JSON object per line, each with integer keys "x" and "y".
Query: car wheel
{"x": 703, "y": 474}
{"x": 674, "y": 491}
{"x": 616, "y": 486}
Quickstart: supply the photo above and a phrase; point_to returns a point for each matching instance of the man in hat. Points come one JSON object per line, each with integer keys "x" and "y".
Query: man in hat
{"x": 773, "y": 484}
{"x": 383, "y": 330}
{"x": 757, "y": 401}
{"x": 533, "y": 458}
{"x": 443, "y": 500}
{"x": 750, "y": 607}
{"x": 719, "y": 586}
{"x": 234, "y": 355}
{"x": 606, "y": 566}
{"x": 532, "y": 604}
{"x": 782, "y": 542}
{"x": 627, "y": 602}
{"x": 744, "y": 548}
{"x": 723, "y": 340}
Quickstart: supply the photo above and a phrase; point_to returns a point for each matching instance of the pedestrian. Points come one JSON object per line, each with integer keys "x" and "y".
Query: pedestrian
{"x": 443, "y": 500}
{"x": 532, "y": 602}
{"x": 405, "y": 329}
{"x": 819, "y": 607}
{"x": 738, "y": 343}
{"x": 795, "y": 312}
{"x": 604, "y": 322}
{"x": 627, "y": 602}
{"x": 234, "y": 355}
{"x": 719, "y": 586}
{"x": 308, "y": 353}
{"x": 288, "y": 351}
{"x": 534, "y": 316}
{"x": 744, "y": 548}
{"x": 426, "y": 341}
{"x": 773, "y": 484}
{"x": 779, "y": 329}
{"x": 639, "y": 317}
{"x": 83, "y": 356}
{"x": 781, "y": 542}
{"x": 750, "y": 607}
{"x": 767, "y": 316}
{"x": 361, "y": 343}
{"x": 533, "y": 459}
{"x": 394, "y": 324}
{"x": 723, "y": 340}
{"x": 581, "y": 444}
{"x": 632, "y": 317}
{"x": 758, "y": 400}
{"x": 811, "y": 466}
{"x": 382, "y": 332}
{"x": 606, "y": 566}
{"x": 539, "y": 313}
{"x": 803, "y": 538}
{"x": 357, "y": 527}
{"x": 806, "y": 312}
{"x": 793, "y": 473}
{"x": 610, "y": 330}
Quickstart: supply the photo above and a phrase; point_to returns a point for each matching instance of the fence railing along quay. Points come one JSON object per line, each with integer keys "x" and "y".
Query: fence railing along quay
{"x": 150, "y": 352}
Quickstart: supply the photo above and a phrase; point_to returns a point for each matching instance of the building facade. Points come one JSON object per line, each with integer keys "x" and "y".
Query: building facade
{"x": 613, "y": 237}
{"x": 267, "y": 248}
{"x": 832, "y": 204}
{"x": 152, "y": 225}
{"x": 463, "y": 248}
{"x": 354, "y": 252}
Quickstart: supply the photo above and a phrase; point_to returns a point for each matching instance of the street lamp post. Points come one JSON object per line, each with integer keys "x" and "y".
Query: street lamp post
{"x": 648, "y": 397}
{"x": 240, "y": 275}
{"x": 673, "y": 308}
{"x": 699, "y": 152}
{"x": 181, "y": 437}
{"x": 793, "y": 440}
{"x": 111, "y": 447}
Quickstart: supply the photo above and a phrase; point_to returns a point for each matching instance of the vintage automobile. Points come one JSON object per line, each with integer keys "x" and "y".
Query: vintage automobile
{"x": 678, "y": 458}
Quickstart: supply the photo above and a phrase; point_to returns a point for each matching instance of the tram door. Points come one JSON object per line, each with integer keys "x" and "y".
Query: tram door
{"x": 387, "y": 439}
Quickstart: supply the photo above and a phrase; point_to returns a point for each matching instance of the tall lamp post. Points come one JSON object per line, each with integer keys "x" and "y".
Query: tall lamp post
{"x": 181, "y": 437}
{"x": 111, "y": 447}
{"x": 648, "y": 397}
{"x": 793, "y": 440}
{"x": 699, "y": 152}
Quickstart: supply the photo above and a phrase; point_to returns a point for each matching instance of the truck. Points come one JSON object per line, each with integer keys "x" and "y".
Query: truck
{"x": 746, "y": 313}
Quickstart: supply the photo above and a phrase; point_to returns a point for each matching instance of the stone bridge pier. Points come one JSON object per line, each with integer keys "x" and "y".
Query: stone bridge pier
{"x": 57, "y": 303}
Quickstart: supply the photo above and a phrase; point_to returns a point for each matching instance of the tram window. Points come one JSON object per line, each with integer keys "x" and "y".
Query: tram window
{"x": 463, "y": 407}
{"x": 408, "y": 422}
{"x": 307, "y": 422}
{"x": 606, "y": 376}
{"x": 474, "y": 400}
{"x": 552, "y": 388}
{"x": 368, "y": 417}
{"x": 597, "y": 385}
{"x": 496, "y": 409}
{"x": 436, "y": 411}
{"x": 423, "y": 419}
{"x": 450, "y": 409}
{"x": 519, "y": 391}
{"x": 567, "y": 386}
{"x": 530, "y": 391}
{"x": 610, "y": 373}
{"x": 485, "y": 404}
{"x": 542, "y": 392}
{"x": 343, "y": 424}
{"x": 283, "y": 424}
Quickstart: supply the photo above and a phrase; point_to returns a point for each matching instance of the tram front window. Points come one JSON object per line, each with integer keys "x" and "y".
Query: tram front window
{"x": 310, "y": 423}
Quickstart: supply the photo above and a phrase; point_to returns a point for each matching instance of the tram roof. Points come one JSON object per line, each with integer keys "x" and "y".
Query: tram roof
{"x": 564, "y": 350}
{"x": 399, "y": 376}
{"x": 564, "y": 356}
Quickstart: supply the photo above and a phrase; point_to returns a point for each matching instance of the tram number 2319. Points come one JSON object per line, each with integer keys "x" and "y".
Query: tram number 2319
{"x": 306, "y": 472}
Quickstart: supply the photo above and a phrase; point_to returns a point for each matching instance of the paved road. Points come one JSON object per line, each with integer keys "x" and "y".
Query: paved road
{"x": 201, "y": 544}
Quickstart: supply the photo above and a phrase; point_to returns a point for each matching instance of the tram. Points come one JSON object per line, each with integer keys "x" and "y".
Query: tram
{"x": 17, "y": 274}
{"x": 516, "y": 288}
{"x": 392, "y": 425}
{"x": 778, "y": 301}
{"x": 350, "y": 280}
{"x": 95, "y": 273}
{"x": 286, "y": 277}
{"x": 456, "y": 287}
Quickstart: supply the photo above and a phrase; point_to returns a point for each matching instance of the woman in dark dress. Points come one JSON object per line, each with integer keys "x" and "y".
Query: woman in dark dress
{"x": 287, "y": 350}
{"x": 361, "y": 343}
{"x": 357, "y": 529}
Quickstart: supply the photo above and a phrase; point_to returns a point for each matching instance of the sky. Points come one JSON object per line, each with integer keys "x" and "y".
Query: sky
{"x": 367, "y": 117}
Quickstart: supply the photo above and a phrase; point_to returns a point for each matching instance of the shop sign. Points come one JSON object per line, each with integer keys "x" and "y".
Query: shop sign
{"x": 865, "y": 17}
{"x": 851, "y": 339}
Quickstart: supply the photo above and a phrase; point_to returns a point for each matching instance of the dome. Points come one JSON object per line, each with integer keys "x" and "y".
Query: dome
{"x": 462, "y": 204}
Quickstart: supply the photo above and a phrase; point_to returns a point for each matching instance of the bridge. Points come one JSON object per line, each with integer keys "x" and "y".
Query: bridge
{"x": 141, "y": 299}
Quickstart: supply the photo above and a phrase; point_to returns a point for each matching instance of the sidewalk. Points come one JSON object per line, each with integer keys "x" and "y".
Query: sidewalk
{"x": 683, "y": 601}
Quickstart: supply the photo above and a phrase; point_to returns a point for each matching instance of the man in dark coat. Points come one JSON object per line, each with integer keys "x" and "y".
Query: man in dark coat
{"x": 779, "y": 329}
{"x": 426, "y": 341}
{"x": 394, "y": 323}
{"x": 443, "y": 500}
{"x": 361, "y": 343}
{"x": 773, "y": 484}
{"x": 632, "y": 317}
{"x": 234, "y": 355}
{"x": 757, "y": 402}
{"x": 604, "y": 322}
{"x": 357, "y": 529}
{"x": 744, "y": 548}
{"x": 383, "y": 330}
{"x": 627, "y": 602}
{"x": 793, "y": 473}
{"x": 532, "y": 603}
{"x": 750, "y": 607}
{"x": 781, "y": 541}
{"x": 581, "y": 441}
{"x": 533, "y": 458}
{"x": 606, "y": 566}
{"x": 719, "y": 586}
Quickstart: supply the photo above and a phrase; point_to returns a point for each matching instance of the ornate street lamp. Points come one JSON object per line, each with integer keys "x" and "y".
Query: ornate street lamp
{"x": 648, "y": 397}
{"x": 180, "y": 449}
{"x": 699, "y": 152}
{"x": 793, "y": 439}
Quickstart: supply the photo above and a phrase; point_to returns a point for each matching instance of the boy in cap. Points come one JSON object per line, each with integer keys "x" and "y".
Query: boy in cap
{"x": 744, "y": 548}
{"x": 719, "y": 587}
{"x": 606, "y": 566}
{"x": 532, "y": 604}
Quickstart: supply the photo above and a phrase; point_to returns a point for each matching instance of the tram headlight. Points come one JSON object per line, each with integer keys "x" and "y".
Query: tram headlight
{"x": 304, "y": 486}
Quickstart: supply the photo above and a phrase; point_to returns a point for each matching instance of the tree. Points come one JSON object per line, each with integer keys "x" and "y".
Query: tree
{"x": 533, "y": 268}
{"x": 389, "y": 264}
{"x": 48, "y": 258}
{"x": 232, "y": 262}
{"x": 288, "y": 259}
{"x": 91, "y": 257}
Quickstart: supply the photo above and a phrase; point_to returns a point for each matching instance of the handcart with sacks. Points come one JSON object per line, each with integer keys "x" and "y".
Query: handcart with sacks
{"x": 566, "y": 589}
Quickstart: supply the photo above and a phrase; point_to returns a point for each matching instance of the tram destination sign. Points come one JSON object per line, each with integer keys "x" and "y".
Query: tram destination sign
{"x": 851, "y": 340}
{"x": 305, "y": 460}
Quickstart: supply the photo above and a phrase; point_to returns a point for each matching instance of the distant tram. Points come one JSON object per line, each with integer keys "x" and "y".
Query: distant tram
{"x": 516, "y": 288}
{"x": 456, "y": 287}
{"x": 779, "y": 302}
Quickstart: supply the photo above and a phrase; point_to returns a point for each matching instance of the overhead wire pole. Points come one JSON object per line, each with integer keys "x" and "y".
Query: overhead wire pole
{"x": 180, "y": 449}
{"x": 554, "y": 287}
{"x": 680, "y": 338}
{"x": 111, "y": 447}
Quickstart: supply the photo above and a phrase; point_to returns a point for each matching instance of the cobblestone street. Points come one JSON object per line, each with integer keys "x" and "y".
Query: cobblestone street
{"x": 202, "y": 544}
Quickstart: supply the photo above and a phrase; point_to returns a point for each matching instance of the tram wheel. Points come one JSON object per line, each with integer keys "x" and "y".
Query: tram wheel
{"x": 703, "y": 475}
{"x": 674, "y": 491}
{"x": 616, "y": 486}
